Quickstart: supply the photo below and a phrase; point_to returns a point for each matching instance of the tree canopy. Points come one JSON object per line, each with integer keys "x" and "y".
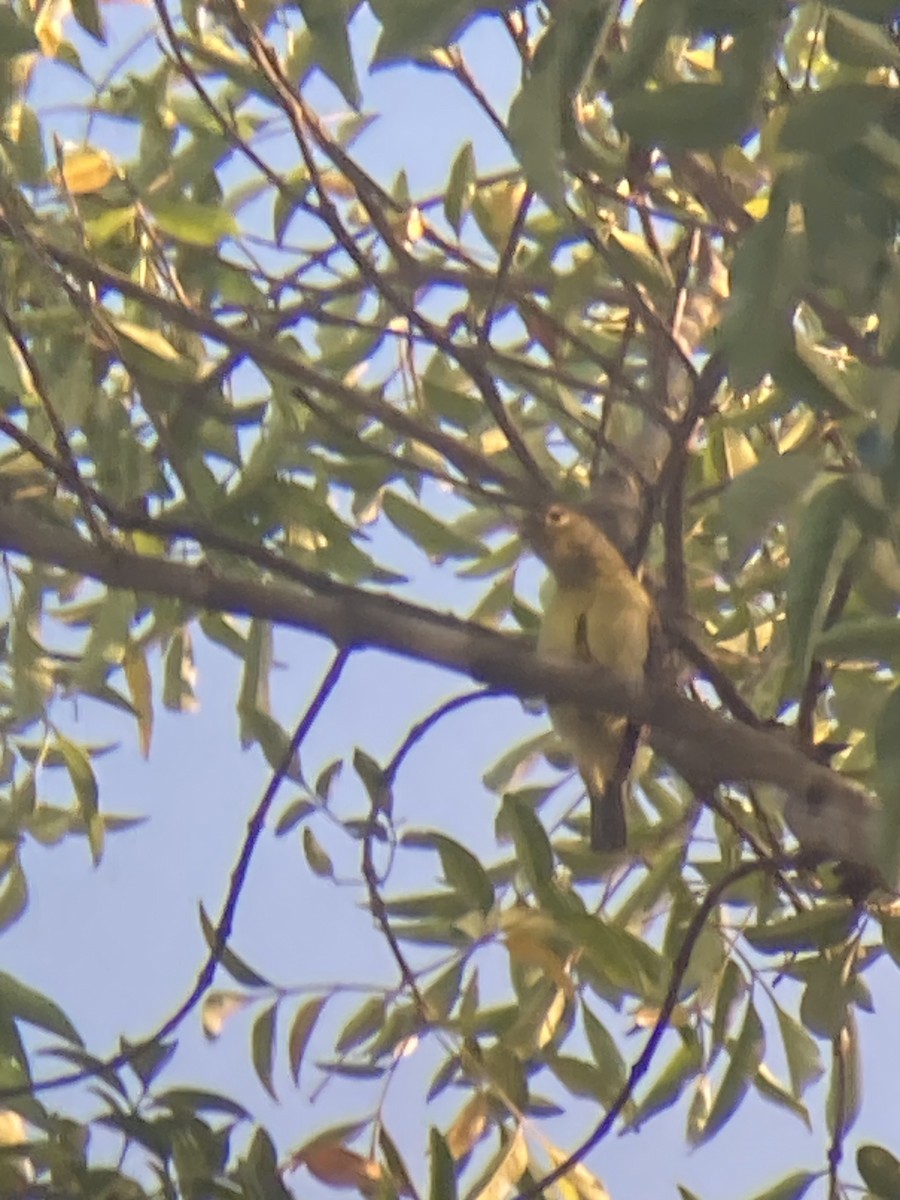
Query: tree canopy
{"x": 234, "y": 353}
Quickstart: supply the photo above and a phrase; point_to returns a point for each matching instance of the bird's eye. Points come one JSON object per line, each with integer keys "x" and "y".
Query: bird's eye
{"x": 556, "y": 516}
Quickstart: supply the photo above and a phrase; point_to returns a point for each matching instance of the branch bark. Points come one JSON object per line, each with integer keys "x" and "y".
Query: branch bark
{"x": 829, "y": 815}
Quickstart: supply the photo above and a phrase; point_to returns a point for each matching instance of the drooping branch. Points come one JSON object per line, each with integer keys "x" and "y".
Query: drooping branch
{"x": 828, "y": 814}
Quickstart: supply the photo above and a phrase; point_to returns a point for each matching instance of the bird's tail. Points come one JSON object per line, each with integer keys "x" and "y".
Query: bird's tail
{"x": 608, "y": 831}
{"x": 606, "y": 792}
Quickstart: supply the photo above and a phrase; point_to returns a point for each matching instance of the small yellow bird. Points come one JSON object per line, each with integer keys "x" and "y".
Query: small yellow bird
{"x": 597, "y": 612}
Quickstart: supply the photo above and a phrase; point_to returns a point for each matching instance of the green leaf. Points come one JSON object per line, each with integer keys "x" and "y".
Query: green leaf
{"x": 817, "y": 928}
{"x": 803, "y": 1058}
{"x": 375, "y": 779}
{"x": 534, "y": 854}
{"x": 23, "y": 1003}
{"x": 685, "y": 116}
{"x": 239, "y": 971}
{"x": 874, "y": 638}
{"x": 397, "y": 1169}
{"x": 844, "y": 1099}
{"x": 880, "y": 1171}
{"x": 148, "y": 351}
{"x": 15, "y": 36}
{"x": 761, "y": 495}
{"x": 746, "y": 1056}
{"x": 85, "y": 784}
{"x": 772, "y": 1089}
{"x": 410, "y": 30}
{"x": 302, "y": 1027}
{"x": 87, "y": 14}
{"x": 365, "y": 1022}
{"x": 859, "y": 43}
{"x": 869, "y": 10}
{"x": 580, "y": 1078}
{"x": 195, "y": 224}
{"x": 316, "y": 856}
{"x": 432, "y": 536}
{"x": 683, "y": 1066}
{"x": 196, "y": 1100}
{"x": 792, "y": 1187}
{"x": 651, "y": 27}
{"x": 462, "y": 870}
{"x": 731, "y": 987}
{"x": 887, "y": 780}
{"x": 262, "y": 1047}
{"x": 535, "y": 129}
{"x": 443, "y": 1176}
{"x": 607, "y": 1058}
{"x": 326, "y": 779}
{"x": 442, "y": 993}
{"x": 821, "y": 122}
{"x": 329, "y": 47}
{"x": 458, "y": 199}
{"x": 13, "y": 896}
{"x": 624, "y": 960}
{"x": 767, "y": 273}
{"x": 297, "y": 811}
{"x": 819, "y": 544}
{"x": 826, "y": 999}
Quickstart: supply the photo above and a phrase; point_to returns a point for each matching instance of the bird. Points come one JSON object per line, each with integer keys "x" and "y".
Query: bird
{"x": 597, "y": 611}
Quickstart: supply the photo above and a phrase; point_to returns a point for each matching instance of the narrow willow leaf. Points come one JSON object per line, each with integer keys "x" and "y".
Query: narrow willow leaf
{"x": 301, "y": 1031}
{"x": 746, "y": 1056}
{"x": 262, "y": 1047}
{"x": 239, "y": 971}
{"x": 319, "y": 860}
{"x": 23, "y": 1003}
{"x": 793, "y": 1187}
{"x": 443, "y": 1176}
{"x": 364, "y": 1023}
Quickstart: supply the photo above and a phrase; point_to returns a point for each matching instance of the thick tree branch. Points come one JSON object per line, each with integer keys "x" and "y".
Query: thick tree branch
{"x": 828, "y": 814}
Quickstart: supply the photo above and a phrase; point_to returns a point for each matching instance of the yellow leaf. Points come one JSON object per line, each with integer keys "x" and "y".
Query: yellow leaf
{"x": 647, "y": 1015}
{"x": 48, "y": 26}
{"x": 86, "y": 170}
{"x": 12, "y": 1128}
{"x": 337, "y": 1166}
{"x": 217, "y": 1008}
{"x": 534, "y": 952}
{"x": 739, "y": 453}
{"x": 415, "y": 225}
{"x": 140, "y": 687}
{"x": 510, "y": 1170}
{"x": 150, "y": 544}
{"x": 148, "y": 350}
{"x": 493, "y": 441}
{"x": 579, "y": 1181}
{"x": 532, "y": 940}
{"x": 469, "y": 1127}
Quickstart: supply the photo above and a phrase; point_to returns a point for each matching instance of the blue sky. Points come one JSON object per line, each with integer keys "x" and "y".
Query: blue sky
{"x": 119, "y": 946}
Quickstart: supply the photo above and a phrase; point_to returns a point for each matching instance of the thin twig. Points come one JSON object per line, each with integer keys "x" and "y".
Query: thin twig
{"x": 225, "y": 923}
{"x": 420, "y": 729}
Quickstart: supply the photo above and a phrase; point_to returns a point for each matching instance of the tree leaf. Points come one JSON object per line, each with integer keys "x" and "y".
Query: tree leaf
{"x": 443, "y": 1177}
{"x": 23, "y": 1003}
{"x": 330, "y": 45}
{"x": 302, "y": 1027}
{"x": 262, "y": 1047}
{"x": 880, "y": 1171}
